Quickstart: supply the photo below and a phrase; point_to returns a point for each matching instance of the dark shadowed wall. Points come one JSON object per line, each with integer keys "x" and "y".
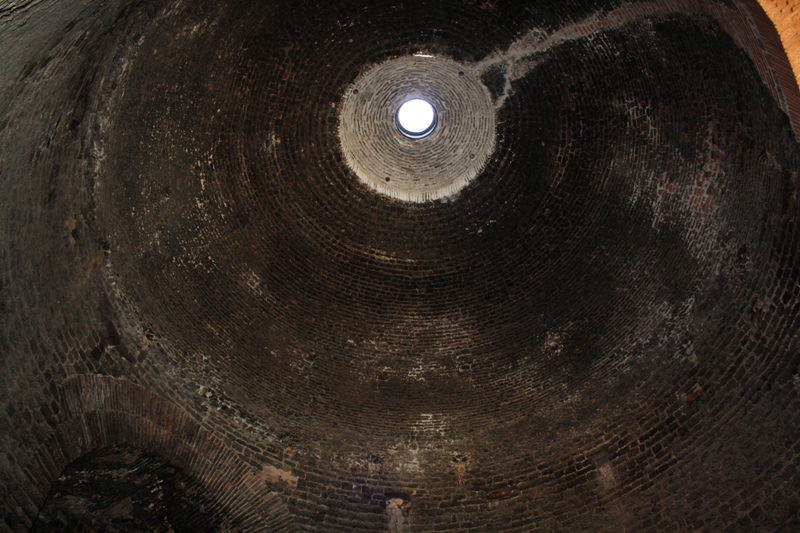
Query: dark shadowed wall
{"x": 210, "y": 322}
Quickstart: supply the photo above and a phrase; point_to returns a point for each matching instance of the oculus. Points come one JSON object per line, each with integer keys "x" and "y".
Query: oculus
{"x": 416, "y": 118}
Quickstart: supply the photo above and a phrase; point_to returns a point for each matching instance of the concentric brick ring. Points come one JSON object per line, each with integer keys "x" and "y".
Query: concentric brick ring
{"x": 417, "y": 170}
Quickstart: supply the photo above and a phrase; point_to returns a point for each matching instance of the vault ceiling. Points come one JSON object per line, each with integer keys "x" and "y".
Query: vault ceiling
{"x": 592, "y": 326}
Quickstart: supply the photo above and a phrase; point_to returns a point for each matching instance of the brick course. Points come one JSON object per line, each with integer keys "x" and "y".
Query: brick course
{"x": 598, "y": 333}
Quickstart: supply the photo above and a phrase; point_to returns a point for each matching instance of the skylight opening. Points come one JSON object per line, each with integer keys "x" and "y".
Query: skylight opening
{"x": 416, "y": 118}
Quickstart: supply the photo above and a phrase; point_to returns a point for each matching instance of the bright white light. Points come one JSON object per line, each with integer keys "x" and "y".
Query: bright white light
{"x": 416, "y": 118}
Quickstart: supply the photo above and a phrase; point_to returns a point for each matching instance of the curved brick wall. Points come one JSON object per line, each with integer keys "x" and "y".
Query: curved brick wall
{"x": 783, "y": 15}
{"x": 128, "y": 489}
{"x": 599, "y": 332}
{"x": 91, "y": 413}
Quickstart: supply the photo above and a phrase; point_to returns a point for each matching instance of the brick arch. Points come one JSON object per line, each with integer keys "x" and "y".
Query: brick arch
{"x": 778, "y": 25}
{"x": 785, "y": 16}
{"x": 100, "y": 411}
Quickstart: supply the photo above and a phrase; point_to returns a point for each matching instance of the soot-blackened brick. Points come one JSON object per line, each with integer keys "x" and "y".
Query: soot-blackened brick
{"x": 598, "y": 332}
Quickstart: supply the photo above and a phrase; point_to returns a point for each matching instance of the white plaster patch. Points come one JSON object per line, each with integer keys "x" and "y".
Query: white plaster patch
{"x": 277, "y": 476}
{"x": 397, "y": 510}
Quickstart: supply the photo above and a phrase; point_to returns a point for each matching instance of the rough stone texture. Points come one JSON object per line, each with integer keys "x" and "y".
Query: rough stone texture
{"x": 598, "y": 333}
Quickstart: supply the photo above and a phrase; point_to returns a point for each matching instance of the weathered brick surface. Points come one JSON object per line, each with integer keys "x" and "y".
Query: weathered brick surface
{"x": 598, "y": 333}
{"x": 124, "y": 488}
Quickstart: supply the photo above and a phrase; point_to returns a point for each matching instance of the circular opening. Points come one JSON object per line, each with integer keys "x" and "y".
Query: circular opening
{"x": 416, "y": 118}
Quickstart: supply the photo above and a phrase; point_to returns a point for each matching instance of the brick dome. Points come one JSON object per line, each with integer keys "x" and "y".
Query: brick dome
{"x": 234, "y": 297}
